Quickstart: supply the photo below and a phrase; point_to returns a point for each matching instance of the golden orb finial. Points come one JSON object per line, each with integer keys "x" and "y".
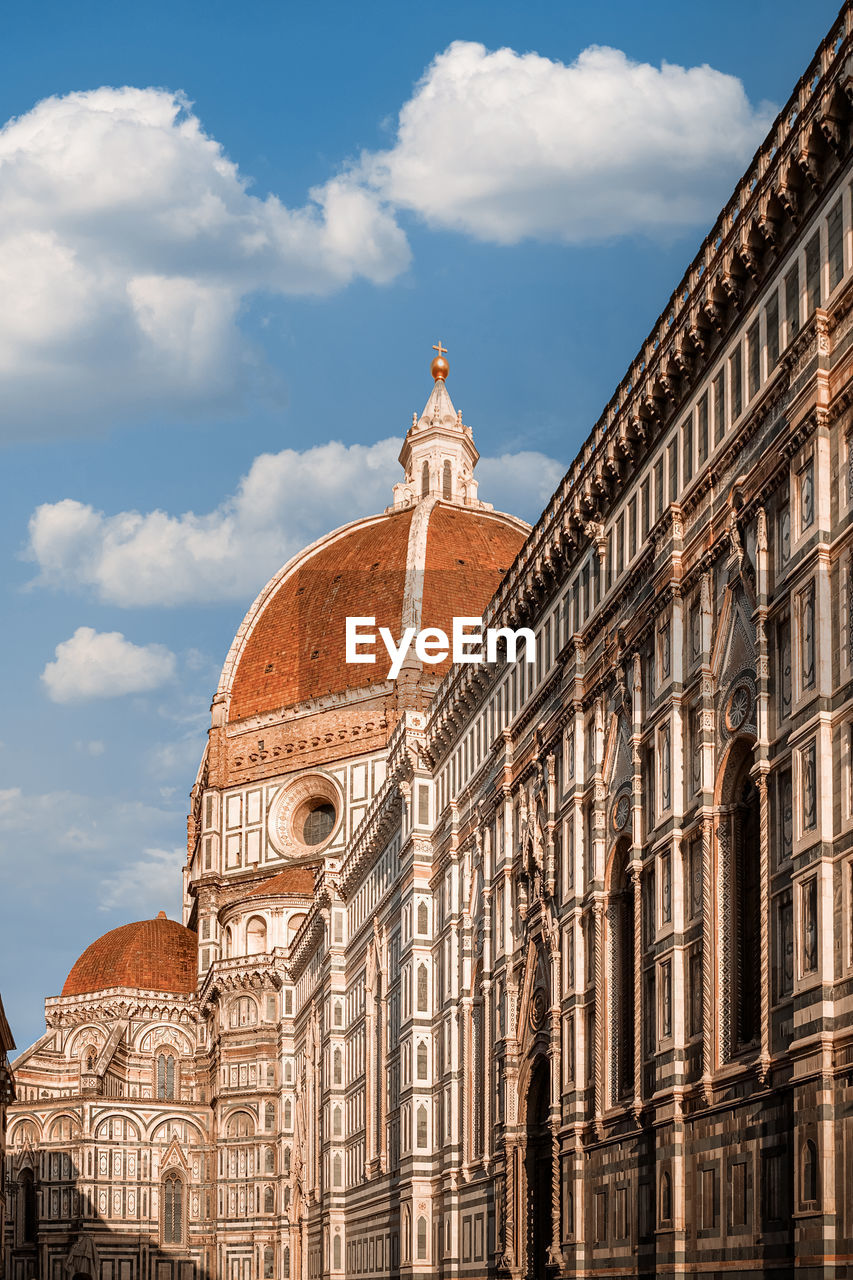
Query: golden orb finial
{"x": 439, "y": 367}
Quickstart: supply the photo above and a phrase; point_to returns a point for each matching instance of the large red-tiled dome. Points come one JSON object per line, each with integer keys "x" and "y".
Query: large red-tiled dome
{"x": 418, "y": 566}
{"x": 149, "y": 955}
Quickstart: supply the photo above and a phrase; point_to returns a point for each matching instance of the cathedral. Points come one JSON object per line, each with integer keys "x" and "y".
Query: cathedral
{"x": 511, "y": 969}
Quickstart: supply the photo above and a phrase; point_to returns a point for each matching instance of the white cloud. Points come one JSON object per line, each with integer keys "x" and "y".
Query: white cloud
{"x": 76, "y": 842}
{"x": 103, "y": 664}
{"x": 286, "y": 501}
{"x": 150, "y": 879}
{"x": 128, "y": 241}
{"x": 93, "y": 748}
{"x": 505, "y": 145}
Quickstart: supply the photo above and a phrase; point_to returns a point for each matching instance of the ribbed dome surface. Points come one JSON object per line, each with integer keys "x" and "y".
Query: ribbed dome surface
{"x": 149, "y": 955}
{"x": 443, "y": 561}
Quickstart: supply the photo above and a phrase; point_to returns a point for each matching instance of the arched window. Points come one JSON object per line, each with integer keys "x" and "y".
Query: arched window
{"x": 269, "y": 1262}
{"x": 422, "y": 1237}
{"x": 337, "y": 1067}
{"x": 90, "y": 1057}
{"x": 406, "y": 1233}
{"x": 269, "y": 1115}
{"x": 285, "y": 1261}
{"x": 422, "y": 1060}
{"x": 172, "y": 1197}
{"x": 288, "y": 1114}
{"x": 423, "y": 918}
{"x": 425, "y": 480}
{"x": 739, "y": 841}
{"x": 809, "y": 1173}
{"x": 422, "y": 1127}
{"x": 240, "y": 1125}
{"x": 293, "y": 925}
{"x": 165, "y": 1076}
{"x": 665, "y": 1198}
{"x": 336, "y": 1252}
{"x": 256, "y": 936}
{"x": 446, "y": 482}
{"x": 337, "y": 1124}
{"x": 287, "y": 1160}
{"x": 620, "y": 924}
{"x": 229, "y": 942}
{"x": 423, "y": 988}
{"x": 269, "y": 1200}
{"x": 29, "y": 1216}
{"x": 269, "y": 1160}
{"x": 244, "y": 1012}
{"x": 64, "y": 1129}
{"x": 336, "y": 1171}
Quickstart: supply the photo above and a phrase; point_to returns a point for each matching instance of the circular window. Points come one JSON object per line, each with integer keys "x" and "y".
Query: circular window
{"x": 304, "y": 815}
{"x": 319, "y": 822}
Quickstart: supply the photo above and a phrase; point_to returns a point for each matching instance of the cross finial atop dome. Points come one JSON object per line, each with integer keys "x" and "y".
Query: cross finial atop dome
{"x": 439, "y": 367}
{"x": 439, "y": 454}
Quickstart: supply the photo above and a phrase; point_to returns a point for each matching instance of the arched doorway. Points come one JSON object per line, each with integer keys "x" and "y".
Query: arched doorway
{"x": 538, "y": 1171}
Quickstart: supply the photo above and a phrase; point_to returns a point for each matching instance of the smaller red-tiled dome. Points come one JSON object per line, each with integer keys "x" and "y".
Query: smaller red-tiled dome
{"x": 149, "y": 955}
{"x": 295, "y": 881}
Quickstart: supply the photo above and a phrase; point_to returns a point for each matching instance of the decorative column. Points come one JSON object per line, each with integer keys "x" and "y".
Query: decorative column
{"x": 724, "y": 936}
{"x": 383, "y": 1055}
{"x": 598, "y": 917}
{"x": 556, "y": 1252}
{"x": 762, "y": 672}
{"x": 707, "y": 957}
{"x": 636, "y": 871}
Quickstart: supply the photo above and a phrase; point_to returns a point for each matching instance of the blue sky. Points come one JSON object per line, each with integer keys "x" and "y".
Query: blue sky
{"x": 187, "y": 330}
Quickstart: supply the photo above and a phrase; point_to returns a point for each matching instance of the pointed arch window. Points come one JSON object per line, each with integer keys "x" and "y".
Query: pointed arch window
{"x": 808, "y": 1177}
{"x": 269, "y": 1262}
{"x": 422, "y": 1128}
{"x": 425, "y": 480}
{"x": 269, "y": 1200}
{"x": 165, "y": 1076}
{"x": 422, "y": 1237}
{"x": 446, "y": 482}
{"x": 29, "y": 1216}
{"x": 665, "y": 1198}
{"x": 423, "y": 988}
{"x": 173, "y": 1209}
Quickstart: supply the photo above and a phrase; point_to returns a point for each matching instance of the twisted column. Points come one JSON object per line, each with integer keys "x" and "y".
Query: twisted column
{"x": 598, "y": 916}
{"x": 639, "y": 1017}
{"x": 707, "y": 957}
{"x": 765, "y": 923}
{"x": 724, "y": 936}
